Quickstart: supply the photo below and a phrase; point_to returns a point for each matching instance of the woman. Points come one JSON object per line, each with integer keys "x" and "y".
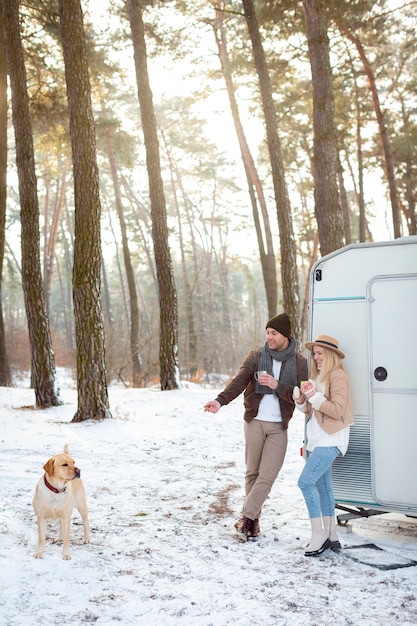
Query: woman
{"x": 326, "y": 399}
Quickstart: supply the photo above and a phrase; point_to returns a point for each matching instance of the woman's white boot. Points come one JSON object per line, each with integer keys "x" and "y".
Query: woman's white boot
{"x": 329, "y": 524}
{"x": 319, "y": 541}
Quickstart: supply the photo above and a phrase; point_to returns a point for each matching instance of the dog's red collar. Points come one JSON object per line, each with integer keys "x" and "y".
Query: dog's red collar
{"x": 52, "y": 488}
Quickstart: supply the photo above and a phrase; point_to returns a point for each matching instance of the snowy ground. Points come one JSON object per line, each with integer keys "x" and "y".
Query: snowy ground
{"x": 164, "y": 484}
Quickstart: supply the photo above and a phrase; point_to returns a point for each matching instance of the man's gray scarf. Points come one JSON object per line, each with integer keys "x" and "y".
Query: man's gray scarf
{"x": 288, "y": 373}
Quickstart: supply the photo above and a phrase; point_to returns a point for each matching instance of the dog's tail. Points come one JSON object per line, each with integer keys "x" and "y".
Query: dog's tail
{"x": 66, "y": 449}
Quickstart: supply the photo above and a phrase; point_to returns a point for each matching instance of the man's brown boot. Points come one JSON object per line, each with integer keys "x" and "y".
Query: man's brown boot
{"x": 244, "y": 527}
{"x": 256, "y": 529}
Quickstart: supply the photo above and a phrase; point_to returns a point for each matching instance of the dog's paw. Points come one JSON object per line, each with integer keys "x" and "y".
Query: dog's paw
{"x": 66, "y": 557}
{"x": 38, "y": 555}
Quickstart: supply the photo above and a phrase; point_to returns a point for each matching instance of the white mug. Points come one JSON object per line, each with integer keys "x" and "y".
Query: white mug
{"x": 260, "y": 373}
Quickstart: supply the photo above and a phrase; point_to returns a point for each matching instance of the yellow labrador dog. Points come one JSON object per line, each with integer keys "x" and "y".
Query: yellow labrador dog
{"x": 58, "y": 491}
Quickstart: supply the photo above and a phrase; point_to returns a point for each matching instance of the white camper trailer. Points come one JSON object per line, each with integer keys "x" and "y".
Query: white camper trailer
{"x": 365, "y": 295}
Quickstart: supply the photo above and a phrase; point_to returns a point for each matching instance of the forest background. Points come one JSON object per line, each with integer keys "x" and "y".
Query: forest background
{"x": 220, "y": 146}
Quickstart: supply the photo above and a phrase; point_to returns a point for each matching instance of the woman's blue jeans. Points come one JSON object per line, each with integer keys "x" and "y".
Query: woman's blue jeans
{"x": 315, "y": 481}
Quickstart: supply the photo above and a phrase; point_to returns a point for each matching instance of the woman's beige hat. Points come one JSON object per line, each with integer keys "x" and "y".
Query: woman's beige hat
{"x": 325, "y": 341}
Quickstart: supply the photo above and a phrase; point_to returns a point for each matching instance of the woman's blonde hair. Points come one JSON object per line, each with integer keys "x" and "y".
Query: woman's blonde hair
{"x": 331, "y": 361}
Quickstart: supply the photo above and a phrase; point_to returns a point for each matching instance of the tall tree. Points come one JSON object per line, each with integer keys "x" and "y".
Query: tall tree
{"x": 383, "y": 131}
{"x": 256, "y": 192}
{"x": 289, "y": 273}
{"x": 130, "y": 274}
{"x": 168, "y": 315}
{"x": 5, "y": 376}
{"x": 325, "y": 161}
{"x": 51, "y": 230}
{"x": 93, "y": 400}
{"x": 42, "y": 356}
{"x": 406, "y": 152}
{"x": 191, "y": 332}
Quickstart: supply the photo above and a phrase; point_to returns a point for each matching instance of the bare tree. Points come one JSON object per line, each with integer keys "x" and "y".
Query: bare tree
{"x": 42, "y": 356}
{"x": 168, "y": 338}
{"x": 93, "y": 400}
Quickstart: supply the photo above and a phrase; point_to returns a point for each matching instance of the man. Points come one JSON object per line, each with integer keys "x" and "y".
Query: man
{"x": 267, "y": 377}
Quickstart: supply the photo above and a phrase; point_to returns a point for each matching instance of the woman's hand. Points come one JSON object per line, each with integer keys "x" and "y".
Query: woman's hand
{"x": 298, "y": 396}
{"x": 308, "y": 389}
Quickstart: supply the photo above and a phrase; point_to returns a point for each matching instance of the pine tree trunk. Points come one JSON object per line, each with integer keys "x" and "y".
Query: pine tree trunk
{"x": 5, "y": 376}
{"x": 86, "y": 278}
{"x": 51, "y": 232}
{"x": 411, "y": 213}
{"x": 168, "y": 324}
{"x": 289, "y": 272}
{"x": 256, "y": 193}
{"x": 326, "y": 197}
{"x": 42, "y": 356}
{"x": 383, "y": 131}
{"x": 190, "y": 360}
{"x": 344, "y": 202}
{"x": 130, "y": 274}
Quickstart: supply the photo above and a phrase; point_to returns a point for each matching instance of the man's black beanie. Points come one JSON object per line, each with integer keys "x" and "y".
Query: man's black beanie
{"x": 281, "y": 323}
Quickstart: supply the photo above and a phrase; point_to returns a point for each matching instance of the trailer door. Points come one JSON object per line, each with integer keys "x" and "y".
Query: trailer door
{"x": 393, "y": 371}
